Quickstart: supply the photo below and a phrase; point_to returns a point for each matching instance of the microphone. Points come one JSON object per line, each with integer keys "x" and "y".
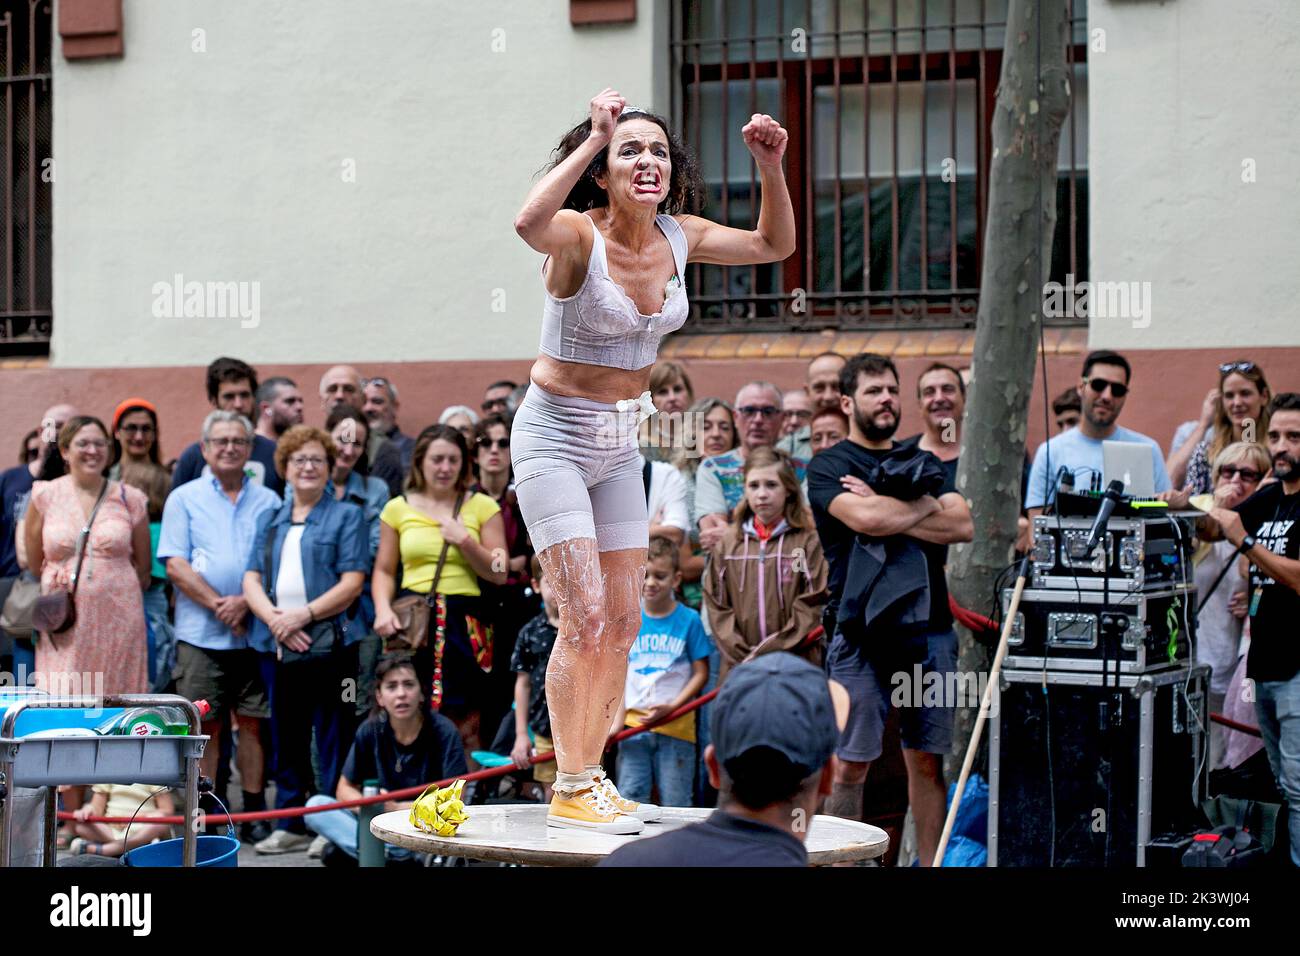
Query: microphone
{"x": 1113, "y": 495}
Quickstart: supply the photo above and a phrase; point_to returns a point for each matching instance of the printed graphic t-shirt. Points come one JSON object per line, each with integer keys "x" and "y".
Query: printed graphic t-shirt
{"x": 659, "y": 666}
{"x": 1273, "y": 517}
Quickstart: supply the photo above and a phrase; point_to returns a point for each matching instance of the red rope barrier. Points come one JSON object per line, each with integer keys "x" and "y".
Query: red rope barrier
{"x": 1235, "y": 725}
{"x": 488, "y": 773}
{"x": 484, "y": 774}
{"x": 969, "y": 619}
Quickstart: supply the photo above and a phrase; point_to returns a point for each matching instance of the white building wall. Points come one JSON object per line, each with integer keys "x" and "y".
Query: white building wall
{"x": 1185, "y": 94}
{"x": 228, "y": 164}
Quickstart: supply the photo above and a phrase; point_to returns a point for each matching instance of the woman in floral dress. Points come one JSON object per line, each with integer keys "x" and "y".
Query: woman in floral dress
{"x": 105, "y": 651}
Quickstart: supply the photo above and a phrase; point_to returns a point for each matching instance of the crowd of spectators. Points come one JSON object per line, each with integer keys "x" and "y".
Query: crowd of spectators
{"x": 269, "y": 570}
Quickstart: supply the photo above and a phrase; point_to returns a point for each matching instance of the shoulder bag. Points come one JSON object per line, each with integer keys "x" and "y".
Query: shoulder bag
{"x": 56, "y": 612}
{"x": 412, "y": 611}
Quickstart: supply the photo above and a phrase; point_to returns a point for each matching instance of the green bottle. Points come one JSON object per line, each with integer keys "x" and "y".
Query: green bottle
{"x": 146, "y": 722}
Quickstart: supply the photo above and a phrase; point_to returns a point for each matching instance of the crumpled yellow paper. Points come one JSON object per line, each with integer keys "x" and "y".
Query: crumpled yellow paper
{"x": 440, "y": 811}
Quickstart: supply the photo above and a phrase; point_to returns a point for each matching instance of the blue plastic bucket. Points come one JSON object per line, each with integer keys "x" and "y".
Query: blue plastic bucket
{"x": 211, "y": 851}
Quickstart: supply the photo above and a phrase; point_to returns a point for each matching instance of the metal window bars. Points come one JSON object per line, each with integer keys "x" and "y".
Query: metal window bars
{"x": 889, "y": 105}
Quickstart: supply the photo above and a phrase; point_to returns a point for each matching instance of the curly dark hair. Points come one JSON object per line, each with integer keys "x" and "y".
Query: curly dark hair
{"x": 685, "y": 188}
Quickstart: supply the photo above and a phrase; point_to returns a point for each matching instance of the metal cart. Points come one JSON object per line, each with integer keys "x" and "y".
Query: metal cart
{"x": 171, "y": 761}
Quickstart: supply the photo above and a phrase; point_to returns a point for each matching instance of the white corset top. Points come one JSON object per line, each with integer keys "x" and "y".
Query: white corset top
{"x": 601, "y": 325}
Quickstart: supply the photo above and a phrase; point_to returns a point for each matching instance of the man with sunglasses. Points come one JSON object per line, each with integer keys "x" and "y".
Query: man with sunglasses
{"x": 496, "y": 398}
{"x": 720, "y": 480}
{"x": 1103, "y": 389}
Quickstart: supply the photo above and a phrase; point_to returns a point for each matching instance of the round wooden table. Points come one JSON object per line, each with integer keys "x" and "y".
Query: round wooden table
{"x": 517, "y": 833}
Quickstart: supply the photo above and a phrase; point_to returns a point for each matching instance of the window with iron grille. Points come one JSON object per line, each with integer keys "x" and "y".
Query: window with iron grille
{"x": 25, "y": 213}
{"x": 888, "y": 104}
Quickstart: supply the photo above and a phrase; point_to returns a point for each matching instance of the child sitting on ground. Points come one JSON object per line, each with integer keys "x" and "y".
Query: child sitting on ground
{"x": 121, "y": 800}
{"x": 402, "y": 744}
{"x": 667, "y": 666}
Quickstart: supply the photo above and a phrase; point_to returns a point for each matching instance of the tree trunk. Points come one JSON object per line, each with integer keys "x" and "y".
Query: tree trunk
{"x": 1032, "y": 102}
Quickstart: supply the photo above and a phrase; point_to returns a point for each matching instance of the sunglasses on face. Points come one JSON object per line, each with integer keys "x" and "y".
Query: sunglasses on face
{"x": 1099, "y": 385}
{"x": 497, "y": 404}
{"x": 1227, "y": 367}
{"x": 1245, "y": 474}
{"x": 501, "y": 444}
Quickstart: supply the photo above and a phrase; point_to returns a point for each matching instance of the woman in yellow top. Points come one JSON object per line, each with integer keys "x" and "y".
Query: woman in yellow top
{"x": 436, "y": 508}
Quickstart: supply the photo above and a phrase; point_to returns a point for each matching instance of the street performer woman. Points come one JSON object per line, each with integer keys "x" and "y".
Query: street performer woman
{"x": 611, "y": 216}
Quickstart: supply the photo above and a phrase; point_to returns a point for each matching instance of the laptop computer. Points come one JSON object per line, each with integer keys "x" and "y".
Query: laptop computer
{"x": 1132, "y": 463}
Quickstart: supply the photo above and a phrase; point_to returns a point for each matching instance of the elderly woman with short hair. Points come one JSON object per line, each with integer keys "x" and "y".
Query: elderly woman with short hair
{"x": 305, "y": 573}
{"x": 1236, "y": 474}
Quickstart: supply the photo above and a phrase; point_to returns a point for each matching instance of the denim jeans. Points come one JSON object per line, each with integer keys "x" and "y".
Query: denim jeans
{"x": 653, "y": 758}
{"x": 340, "y": 828}
{"x": 1277, "y": 706}
{"x": 705, "y": 795}
{"x": 158, "y": 634}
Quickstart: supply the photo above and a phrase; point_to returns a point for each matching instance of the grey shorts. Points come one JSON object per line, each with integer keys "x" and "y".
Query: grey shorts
{"x": 578, "y": 472}
{"x": 918, "y": 679}
{"x": 227, "y": 680}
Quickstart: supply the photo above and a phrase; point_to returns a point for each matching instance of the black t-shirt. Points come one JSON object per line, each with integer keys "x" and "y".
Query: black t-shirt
{"x": 531, "y": 655}
{"x": 721, "y": 840}
{"x": 950, "y": 468}
{"x": 824, "y": 473}
{"x": 435, "y": 754}
{"x": 1273, "y": 517}
{"x": 191, "y": 464}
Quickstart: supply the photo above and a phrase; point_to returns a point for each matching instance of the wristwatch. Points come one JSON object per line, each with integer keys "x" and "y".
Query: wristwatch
{"x": 1247, "y": 543}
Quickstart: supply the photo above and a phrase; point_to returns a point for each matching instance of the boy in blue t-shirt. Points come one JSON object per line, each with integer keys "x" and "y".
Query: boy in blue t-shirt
{"x": 667, "y": 666}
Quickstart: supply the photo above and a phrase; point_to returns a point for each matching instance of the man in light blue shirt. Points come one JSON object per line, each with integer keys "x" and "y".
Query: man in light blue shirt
{"x": 207, "y": 533}
{"x": 1102, "y": 391}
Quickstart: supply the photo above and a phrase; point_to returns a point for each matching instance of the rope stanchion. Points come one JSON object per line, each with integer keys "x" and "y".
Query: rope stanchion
{"x": 485, "y": 774}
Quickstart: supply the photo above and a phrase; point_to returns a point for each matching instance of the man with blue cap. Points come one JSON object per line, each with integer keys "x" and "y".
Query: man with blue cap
{"x": 775, "y": 725}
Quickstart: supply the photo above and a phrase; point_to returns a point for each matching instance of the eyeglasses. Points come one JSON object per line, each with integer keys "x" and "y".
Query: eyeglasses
{"x": 138, "y": 429}
{"x": 1099, "y": 385}
{"x": 227, "y": 442}
{"x": 87, "y": 444}
{"x": 494, "y": 405}
{"x": 302, "y": 461}
{"x": 754, "y": 411}
{"x": 1227, "y": 367}
{"x": 501, "y": 444}
{"x": 1245, "y": 474}
{"x": 800, "y": 414}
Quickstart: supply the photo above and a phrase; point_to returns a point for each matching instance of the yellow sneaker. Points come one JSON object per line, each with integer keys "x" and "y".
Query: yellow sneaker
{"x": 645, "y": 812}
{"x": 590, "y": 810}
